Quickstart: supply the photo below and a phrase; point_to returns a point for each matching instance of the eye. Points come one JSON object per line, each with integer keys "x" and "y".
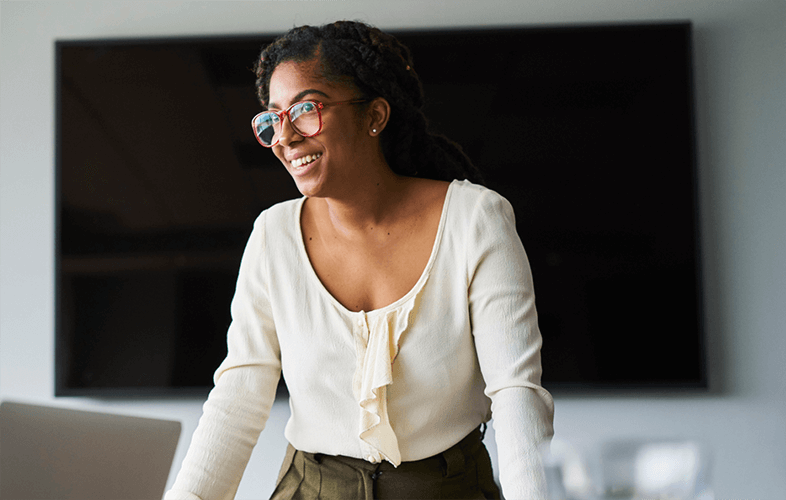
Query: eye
{"x": 302, "y": 109}
{"x": 267, "y": 120}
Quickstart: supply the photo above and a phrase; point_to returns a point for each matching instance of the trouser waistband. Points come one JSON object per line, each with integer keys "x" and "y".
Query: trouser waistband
{"x": 451, "y": 459}
{"x": 462, "y": 471}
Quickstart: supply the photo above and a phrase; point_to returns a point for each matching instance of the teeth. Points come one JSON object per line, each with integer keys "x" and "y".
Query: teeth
{"x": 303, "y": 160}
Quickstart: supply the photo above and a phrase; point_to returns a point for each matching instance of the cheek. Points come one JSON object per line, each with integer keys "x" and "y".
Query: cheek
{"x": 279, "y": 152}
{"x": 346, "y": 123}
{"x": 343, "y": 138}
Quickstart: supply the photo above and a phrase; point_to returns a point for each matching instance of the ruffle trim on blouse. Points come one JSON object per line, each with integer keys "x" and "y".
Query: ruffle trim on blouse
{"x": 376, "y": 353}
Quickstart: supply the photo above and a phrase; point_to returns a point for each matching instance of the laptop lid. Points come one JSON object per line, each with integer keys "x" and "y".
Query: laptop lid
{"x": 58, "y": 453}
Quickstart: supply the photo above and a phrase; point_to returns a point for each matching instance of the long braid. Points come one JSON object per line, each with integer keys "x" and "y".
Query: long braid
{"x": 379, "y": 66}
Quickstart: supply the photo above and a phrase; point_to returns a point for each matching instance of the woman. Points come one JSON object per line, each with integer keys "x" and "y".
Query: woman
{"x": 395, "y": 296}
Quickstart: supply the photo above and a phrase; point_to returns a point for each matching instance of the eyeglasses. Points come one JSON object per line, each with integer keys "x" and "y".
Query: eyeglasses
{"x": 305, "y": 117}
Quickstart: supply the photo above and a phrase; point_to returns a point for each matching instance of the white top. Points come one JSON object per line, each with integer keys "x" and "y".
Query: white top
{"x": 399, "y": 383}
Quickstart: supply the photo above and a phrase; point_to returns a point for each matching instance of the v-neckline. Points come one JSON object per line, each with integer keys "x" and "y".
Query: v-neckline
{"x": 395, "y": 304}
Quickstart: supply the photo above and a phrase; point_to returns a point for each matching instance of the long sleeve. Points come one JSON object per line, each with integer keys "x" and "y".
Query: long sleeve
{"x": 245, "y": 384}
{"x": 465, "y": 344}
{"x": 508, "y": 342}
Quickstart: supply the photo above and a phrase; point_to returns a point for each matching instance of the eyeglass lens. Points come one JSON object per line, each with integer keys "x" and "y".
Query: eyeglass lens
{"x": 304, "y": 117}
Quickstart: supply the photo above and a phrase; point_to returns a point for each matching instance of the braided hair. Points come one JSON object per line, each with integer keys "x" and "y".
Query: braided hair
{"x": 379, "y": 66}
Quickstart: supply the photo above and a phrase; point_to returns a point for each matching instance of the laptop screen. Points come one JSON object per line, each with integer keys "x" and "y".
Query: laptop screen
{"x": 58, "y": 453}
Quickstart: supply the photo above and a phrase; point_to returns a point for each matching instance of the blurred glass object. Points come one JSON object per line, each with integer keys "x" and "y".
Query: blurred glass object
{"x": 657, "y": 470}
{"x": 567, "y": 474}
{"x": 629, "y": 470}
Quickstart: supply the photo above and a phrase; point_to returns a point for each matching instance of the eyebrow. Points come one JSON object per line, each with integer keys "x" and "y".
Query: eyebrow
{"x": 300, "y": 96}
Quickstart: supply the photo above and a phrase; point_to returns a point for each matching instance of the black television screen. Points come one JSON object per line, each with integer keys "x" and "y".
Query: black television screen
{"x": 588, "y": 131}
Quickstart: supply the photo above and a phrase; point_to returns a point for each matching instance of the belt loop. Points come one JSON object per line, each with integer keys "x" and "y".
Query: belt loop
{"x": 375, "y": 475}
{"x": 454, "y": 459}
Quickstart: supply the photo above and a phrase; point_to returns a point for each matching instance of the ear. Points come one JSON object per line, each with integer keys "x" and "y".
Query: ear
{"x": 378, "y": 113}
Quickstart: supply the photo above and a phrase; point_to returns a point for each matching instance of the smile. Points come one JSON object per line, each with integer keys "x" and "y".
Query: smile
{"x": 304, "y": 160}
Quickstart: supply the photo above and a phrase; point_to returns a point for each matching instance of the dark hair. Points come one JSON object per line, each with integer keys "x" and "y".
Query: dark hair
{"x": 379, "y": 66}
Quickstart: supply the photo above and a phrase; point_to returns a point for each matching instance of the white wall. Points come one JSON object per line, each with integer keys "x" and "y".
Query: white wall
{"x": 741, "y": 98}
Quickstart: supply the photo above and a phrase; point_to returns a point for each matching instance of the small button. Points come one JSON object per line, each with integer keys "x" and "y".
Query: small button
{"x": 372, "y": 459}
{"x": 360, "y": 322}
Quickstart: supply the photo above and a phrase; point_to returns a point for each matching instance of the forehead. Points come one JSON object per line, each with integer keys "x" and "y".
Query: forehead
{"x": 290, "y": 79}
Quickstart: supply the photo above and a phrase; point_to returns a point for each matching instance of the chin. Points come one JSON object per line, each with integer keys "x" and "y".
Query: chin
{"x": 308, "y": 189}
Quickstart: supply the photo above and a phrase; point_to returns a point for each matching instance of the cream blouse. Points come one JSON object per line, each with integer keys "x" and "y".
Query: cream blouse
{"x": 399, "y": 383}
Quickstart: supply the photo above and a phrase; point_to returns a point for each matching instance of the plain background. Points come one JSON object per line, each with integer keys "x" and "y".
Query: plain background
{"x": 740, "y": 64}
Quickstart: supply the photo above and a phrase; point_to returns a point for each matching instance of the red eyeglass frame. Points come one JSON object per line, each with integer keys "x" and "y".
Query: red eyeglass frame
{"x": 320, "y": 106}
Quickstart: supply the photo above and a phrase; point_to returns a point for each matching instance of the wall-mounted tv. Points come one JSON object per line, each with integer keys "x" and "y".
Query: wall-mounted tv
{"x": 588, "y": 130}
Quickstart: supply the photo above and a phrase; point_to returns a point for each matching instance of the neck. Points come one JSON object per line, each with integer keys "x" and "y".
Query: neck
{"x": 369, "y": 205}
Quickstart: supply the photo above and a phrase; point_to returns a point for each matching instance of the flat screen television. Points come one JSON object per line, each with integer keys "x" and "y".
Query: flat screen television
{"x": 588, "y": 130}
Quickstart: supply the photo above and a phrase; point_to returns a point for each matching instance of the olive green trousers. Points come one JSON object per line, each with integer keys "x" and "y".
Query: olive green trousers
{"x": 462, "y": 471}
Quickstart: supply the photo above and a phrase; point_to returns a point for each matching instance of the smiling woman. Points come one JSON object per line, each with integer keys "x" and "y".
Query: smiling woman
{"x": 395, "y": 297}
{"x": 337, "y": 129}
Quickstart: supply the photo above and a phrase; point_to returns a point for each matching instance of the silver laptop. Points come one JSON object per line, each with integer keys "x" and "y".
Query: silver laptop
{"x": 57, "y": 453}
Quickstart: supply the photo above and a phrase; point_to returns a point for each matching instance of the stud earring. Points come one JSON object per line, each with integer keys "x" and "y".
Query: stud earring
{"x": 373, "y": 131}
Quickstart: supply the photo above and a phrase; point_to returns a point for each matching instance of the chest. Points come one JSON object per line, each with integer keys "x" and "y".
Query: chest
{"x": 371, "y": 274}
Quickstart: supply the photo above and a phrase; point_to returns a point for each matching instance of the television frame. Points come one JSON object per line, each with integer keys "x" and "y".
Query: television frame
{"x": 698, "y": 383}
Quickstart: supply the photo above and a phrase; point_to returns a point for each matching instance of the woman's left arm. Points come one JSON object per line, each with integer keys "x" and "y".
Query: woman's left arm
{"x": 508, "y": 343}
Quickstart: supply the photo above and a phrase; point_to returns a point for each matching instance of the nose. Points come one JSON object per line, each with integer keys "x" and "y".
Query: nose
{"x": 288, "y": 132}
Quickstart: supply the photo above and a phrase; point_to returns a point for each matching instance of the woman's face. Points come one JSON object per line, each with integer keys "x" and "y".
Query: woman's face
{"x": 326, "y": 163}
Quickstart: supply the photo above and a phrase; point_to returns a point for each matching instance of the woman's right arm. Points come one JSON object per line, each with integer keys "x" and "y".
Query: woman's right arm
{"x": 245, "y": 386}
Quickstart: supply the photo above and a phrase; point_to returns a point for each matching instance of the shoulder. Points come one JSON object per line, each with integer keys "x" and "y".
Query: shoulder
{"x": 469, "y": 191}
{"x": 481, "y": 221}
{"x": 476, "y": 203}
{"x": 275, "y": 226}
{"x": 273, "y": 236}
{"x": 280, "y": 215}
